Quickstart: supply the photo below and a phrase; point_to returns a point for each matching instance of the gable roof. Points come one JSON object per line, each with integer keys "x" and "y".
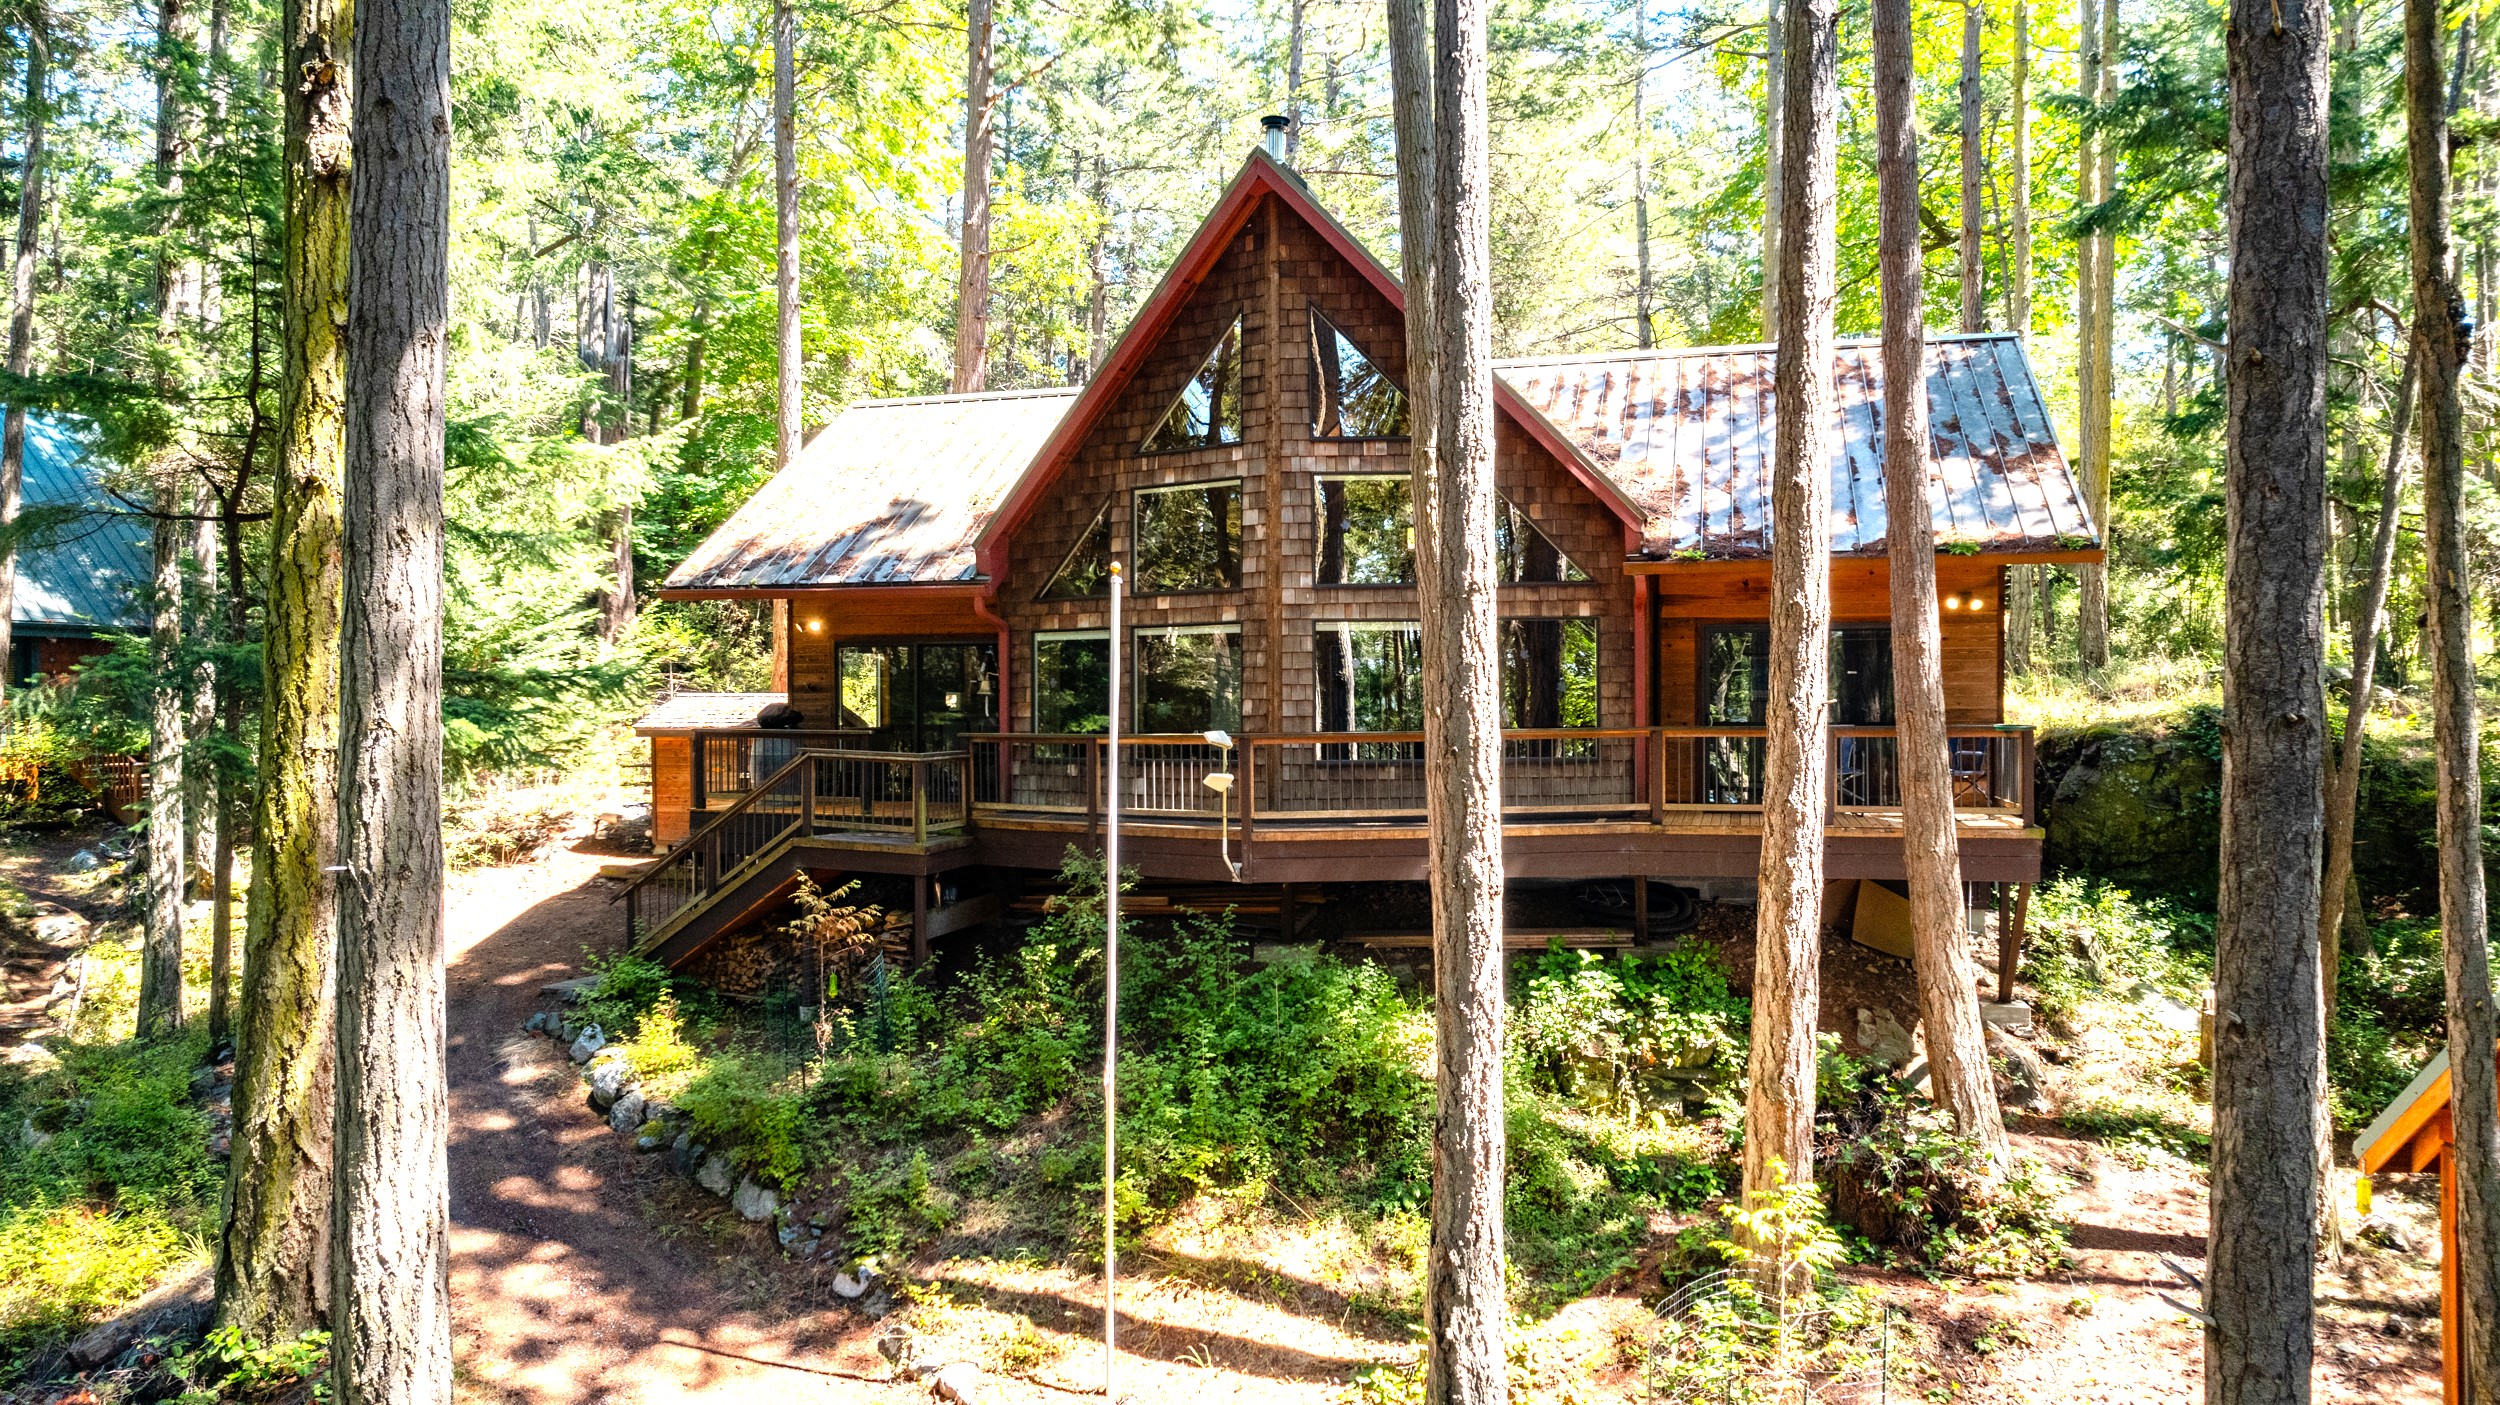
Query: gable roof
{"x": 83, "y": 578}
{"x": 1689, "y": 434}
{"x": 1261, "y": 177}
{"x": 2392, "y": 1132}
{"x": 892, "y": 492}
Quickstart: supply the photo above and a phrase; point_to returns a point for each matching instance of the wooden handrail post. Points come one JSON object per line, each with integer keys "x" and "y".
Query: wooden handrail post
{"x": 807, "y": 796}
{"x": 919, "y": 800}
{"x": 1655, "y": 769}
{"x": 1250, "y": 807}
{"x": 701, "y": 796}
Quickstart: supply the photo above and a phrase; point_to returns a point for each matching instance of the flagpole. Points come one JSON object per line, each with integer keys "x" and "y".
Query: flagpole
{"x": 1111, "y": 995}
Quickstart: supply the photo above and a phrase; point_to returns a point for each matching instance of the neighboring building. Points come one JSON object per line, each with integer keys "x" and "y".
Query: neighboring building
{"x": 2417, "y": 1132}
{"x": 940, "y": 564}
{"x": 82, "y": 581}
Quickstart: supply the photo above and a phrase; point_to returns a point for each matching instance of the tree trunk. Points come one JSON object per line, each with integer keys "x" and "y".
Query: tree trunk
{"x": 2019, "y": 262}
{"x": 160, "y": 959}
{"x": 2267, "y": 1036}
{"x": 1774, "y": 169}
{"x": 2344, "y": 793}
{"x": 1948, "y": 999}
{"x": 787, "y": 402}
{"x": 273, "y": 1257}
{"x": 691, "y": 403}
{"x": 201, "y": 768}
{"x": 1644, "y": 298}
{"x": 22, "y": 327}
{"x": 392, "y": 1342}
{"x": 1295, "y": 15}
{"x": 1465, "y": 1307}
{"x": 2092, "y": 609}
{"x": 2022, "y": 609}
{"x": 1779, "y": 1099}
{"x": 616, "y": 603}
{"x": 2441, "y": 336}
{"x": 972, "y": 288}
{"x": 1974, "y": 168}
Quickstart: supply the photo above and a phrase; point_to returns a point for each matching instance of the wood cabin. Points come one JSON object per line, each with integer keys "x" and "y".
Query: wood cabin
{"x": 2417, "y": 1132}
{"x": 938, "y": 569}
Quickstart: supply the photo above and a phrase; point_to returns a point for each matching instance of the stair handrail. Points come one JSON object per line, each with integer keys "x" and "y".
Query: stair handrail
{"x": 686, "y": 845}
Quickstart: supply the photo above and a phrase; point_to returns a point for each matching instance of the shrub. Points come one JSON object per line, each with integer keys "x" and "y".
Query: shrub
{"x": 628, "y": 986}
{"x": 753, "y": 1107}
{"x": 2089, "y": 939}
{"x": 1910, "y": 1185}
{"x": 1610, "y": 1031}
{"x": 1749, "y": 1336}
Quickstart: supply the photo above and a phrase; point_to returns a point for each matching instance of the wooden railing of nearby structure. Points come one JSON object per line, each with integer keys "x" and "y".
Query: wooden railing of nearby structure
{"x": 912, "y": 796}
{"x": 726, "y": 761}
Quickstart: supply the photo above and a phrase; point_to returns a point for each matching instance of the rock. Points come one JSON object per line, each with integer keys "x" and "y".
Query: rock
{"x": 2383, "y": 1230}
{"x": 58, "y": 926}
{"x": 2134, "y": 804}
{"x": 2395, "y": 1326}
{"x": 717, "y": 1175}
{"x": 2026, "y": 1077}
{"x": 85, "y": 861}
{"x": 959, "y": 1382}
{"x": 685, "y": 1156}
{"x": 898, "y": 1346}
{"x": 609, "y": 1081}
{"x": 536, "y": 1024}
{"x": 854, "y": 1285}
{"x": 33, "y": 1057}
{"x": 179, "y": 1308}
{"x": 2170, "y": 1014}
{"x": 2014, "y": 1016}
{"x": 590, "y": 1042}
{"x": 754, "y": 1201}
{"x": 626, "y": 1116}
{"x": 1883, "y": 1039}
{"x": 572, "y": 990}
{"x": 653, "y": 1137}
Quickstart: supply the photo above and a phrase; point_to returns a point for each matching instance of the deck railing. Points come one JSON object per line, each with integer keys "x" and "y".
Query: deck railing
{"x": 1549, "y": 773}
{"x": 727, "y": 763}
{"x": 910, "y": 796}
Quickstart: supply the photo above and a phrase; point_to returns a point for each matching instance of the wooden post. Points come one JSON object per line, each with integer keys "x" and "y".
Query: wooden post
{"x": 2009, "y": 949}
{"x": 2010, "y": 944}
{"x": 919, "y": 920}
{"x": 1292, "y": 910}
{"x": 920, "y": 801}
{"x": 699, "y": 791}
{"x": 1640, "y": 907}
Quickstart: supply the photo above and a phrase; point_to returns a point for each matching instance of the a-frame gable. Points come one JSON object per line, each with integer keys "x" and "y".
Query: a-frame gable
{"x": 1261, "y": 178}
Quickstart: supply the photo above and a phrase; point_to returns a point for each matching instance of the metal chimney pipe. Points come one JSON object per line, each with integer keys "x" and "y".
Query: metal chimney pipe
{"x": 1274, "y": 137}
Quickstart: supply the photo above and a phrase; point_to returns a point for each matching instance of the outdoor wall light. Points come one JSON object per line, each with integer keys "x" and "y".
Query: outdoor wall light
{"x": 1221, "y": 782}
{"x": 815, "y": 626}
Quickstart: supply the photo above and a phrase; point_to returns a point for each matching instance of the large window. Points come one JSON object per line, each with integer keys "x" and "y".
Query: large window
{"x": 1549, "y": 673}
{"x": 917, "y": 696}
{"x": 1736, "y": 684}
{"x": 1366, "y": 530}
{"x": 1188, "y": 678}
{"x": 1087, "y": 569}
{"x": 1208, "y": 410}
{"x": 1350, "y": 398}
{"x": 1371, "y": 679}
{"x": 1186, "y": 538}
{"x": 1072, "y": 682}
{"x": 1522, "y": 555}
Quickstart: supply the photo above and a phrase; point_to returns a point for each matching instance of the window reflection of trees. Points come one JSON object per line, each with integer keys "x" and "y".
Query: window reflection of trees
{"x": 1367, "y": 531}
{"x": 1350, "y": 396}
{"x": 1208, "y": 410}
{"x": 1187, "y": 538}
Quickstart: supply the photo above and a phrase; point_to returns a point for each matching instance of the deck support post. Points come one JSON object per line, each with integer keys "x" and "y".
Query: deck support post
{"x": 2010, "y": 937}
{"x": 807, "y": 799}
{"x": 694, "y": 749}
{"x": 1292, "y": 910}
{"x": 919, "y": 921}
{"x": 1640, "y": 907}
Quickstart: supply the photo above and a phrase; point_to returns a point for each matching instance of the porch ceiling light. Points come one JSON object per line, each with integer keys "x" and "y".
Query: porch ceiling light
{"x": 815, "y": 626}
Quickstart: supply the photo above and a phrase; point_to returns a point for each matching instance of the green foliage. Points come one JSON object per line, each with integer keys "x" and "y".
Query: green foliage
{"x": 105, "y": 1184}
{"x": 628, "y": 985}
{"x": 753, "y": 1107}
{"x": 228, "y": 1366}
{"x": 2089, "y": 940}
{"x": 1778, "y": 1324}
{"x": 2390, "y": 1017}
{"x": 1613, "y": 1031}
{"x": 1913, "y": 1188}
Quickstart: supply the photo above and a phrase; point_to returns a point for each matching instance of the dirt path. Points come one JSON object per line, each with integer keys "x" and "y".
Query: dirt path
{"x": 569, "y": 1286}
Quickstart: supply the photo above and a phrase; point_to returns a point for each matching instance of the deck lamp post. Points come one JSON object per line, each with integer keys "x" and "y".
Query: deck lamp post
{"x": 1221, "y": 782}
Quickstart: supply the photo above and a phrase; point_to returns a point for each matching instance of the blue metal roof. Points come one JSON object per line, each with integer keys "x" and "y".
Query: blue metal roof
{"x": 85, "y": 577}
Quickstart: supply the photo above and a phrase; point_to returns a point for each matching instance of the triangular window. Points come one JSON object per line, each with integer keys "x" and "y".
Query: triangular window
{"x": 1088, "y": 566}
{"x": 1208, "y": 411}
{"x": 1525, "y": 556}
{"x": 1350, "y": 397}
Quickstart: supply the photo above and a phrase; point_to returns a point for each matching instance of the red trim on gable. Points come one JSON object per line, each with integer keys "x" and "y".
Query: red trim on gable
{"x": 1261, "y": 176}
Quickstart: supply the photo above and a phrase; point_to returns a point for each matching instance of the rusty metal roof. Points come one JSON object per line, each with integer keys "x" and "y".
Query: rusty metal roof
{"x": 892, "y": 492}
{"x": 1688, "y": 434}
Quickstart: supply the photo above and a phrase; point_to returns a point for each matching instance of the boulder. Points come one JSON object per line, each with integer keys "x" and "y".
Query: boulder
{"x": 717, "y": 1175}
{"x": 572, "y": 990}
{"x": 1883, "y": 1039}
{"x": 591, "y": 1041}
{"x": 626, "y": 1115}
{"x": 685, "y": 1154}
{"x": 179, "y": 1308}
{"x": 535, "y": 1024}
{"x": 754, "y": 1201}
{"x": 854, "y": 1285}
{"x": 2013, "y": 1016}
{"x": 85, "y": 861}
{"x": 2025, "y": 1077}
{"x": 958, "y": 1381}
{"x": 609, "y": 1081}
{"x": 653, "y": 1137}
{"x": 58, "y": 926}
